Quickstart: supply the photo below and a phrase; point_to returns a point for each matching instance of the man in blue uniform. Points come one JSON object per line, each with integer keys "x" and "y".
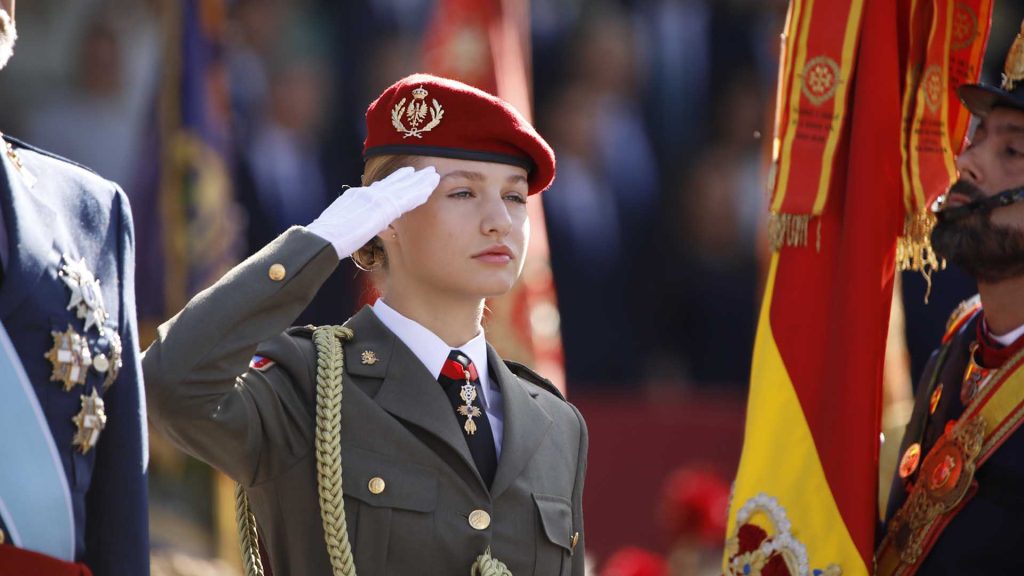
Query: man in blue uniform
{"x": 956, "y": 503}
{"x": 73, "y": 447}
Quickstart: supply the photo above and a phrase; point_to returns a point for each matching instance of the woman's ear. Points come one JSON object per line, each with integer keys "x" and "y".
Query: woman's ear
{"x": 388, "y": 233}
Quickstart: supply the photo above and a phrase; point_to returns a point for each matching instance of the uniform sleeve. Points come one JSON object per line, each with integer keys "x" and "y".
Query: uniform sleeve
{"x": 579, "y": 552}
{"x": 914, "y": 429}
{"x": 117, "y": 520}
{"x": 194, "y": 385}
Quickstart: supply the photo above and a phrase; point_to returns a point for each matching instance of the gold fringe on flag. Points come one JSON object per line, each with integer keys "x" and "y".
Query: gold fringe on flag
{"x": 791, "y": 230}
{"x": 914, "y": 248}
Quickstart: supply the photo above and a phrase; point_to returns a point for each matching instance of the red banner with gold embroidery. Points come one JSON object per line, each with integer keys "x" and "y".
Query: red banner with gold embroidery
{"x": 947, "y": 40}
{"x": 814, "y": 83}
{"x": 972, "y": 22}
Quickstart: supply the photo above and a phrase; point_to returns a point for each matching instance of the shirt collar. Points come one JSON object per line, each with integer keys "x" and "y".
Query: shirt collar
{"x": 1008, "y": 338}
{"x": 429, "y": 348}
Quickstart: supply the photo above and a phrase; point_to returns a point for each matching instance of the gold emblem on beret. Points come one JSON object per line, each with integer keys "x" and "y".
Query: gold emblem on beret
{"x": 415, "y": 113}
{"x": 1013, "y": 70}
{"x": 91, "y": 420}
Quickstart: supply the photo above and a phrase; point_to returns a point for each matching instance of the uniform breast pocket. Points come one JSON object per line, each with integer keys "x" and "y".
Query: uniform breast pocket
{"x": 394, "y": 503}
{"x": 554, "y": 548}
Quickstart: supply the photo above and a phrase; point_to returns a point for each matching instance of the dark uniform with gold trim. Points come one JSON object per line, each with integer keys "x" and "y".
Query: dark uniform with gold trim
{"x": 981, "y": 537}
{"x": 957, "y": 502}
{"x": 67, "y": 304}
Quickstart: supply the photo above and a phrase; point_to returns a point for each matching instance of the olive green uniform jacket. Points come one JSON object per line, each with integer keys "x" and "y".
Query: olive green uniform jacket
{"x": 258, "y": 426}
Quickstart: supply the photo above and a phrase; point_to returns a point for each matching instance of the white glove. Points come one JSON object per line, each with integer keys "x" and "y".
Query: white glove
{"x": 361, "y": 213}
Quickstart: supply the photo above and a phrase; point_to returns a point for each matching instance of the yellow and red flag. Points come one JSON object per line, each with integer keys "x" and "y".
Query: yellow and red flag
{"x": 485, "y": 43}
{"x": 805, "y": 496}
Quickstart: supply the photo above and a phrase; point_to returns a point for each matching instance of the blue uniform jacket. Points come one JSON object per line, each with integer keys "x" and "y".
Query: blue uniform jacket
{"x": 65, "y": 211}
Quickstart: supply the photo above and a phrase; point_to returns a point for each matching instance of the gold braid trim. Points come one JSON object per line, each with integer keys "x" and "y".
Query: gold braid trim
{"x": 330, "y": 364}
{"x": 914, "y": 248}
{"x": 250, "y": 544}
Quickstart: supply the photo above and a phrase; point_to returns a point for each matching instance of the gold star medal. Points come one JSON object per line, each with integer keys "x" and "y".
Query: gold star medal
{"x": 91, "y": 420}
{"x": 86, "y": 297}
{"x": 70, "y": 357}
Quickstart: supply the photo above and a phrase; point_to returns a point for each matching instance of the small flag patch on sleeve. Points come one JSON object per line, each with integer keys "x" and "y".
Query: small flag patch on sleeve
{"x": 261, "y": 363}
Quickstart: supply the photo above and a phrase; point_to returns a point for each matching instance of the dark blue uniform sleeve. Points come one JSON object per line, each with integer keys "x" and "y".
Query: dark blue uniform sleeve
{"x": 117, "y": 524}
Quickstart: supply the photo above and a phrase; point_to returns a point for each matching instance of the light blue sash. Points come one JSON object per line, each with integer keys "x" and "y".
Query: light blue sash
{"x": 35, "y": 502}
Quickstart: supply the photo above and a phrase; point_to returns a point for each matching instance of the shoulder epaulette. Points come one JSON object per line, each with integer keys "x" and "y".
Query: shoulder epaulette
{"x": 306, "y": 330}
{"x": 22, "y": 144}
{"x": 967, "y": 310}
{"x": 533, "y": 378}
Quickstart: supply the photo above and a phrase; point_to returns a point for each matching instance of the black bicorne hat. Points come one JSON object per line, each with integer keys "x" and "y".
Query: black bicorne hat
{"x": 980, "y": 99}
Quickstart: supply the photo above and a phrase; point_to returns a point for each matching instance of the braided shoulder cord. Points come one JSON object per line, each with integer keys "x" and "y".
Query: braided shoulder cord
{"x": 250, "y": 544}
{"x": 330, "y": 364}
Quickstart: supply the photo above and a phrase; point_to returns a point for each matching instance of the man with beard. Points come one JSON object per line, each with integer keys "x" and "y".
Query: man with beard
{"x": 957, "y": 503}
{"x": 72, "y": 419}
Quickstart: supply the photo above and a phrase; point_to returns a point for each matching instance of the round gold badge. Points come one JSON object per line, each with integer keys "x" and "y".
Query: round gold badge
{"x": 908, "y": 465}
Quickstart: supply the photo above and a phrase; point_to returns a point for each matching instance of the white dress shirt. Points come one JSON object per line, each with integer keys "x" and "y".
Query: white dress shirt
{"x": 433, "y": 352}
{"x": 1008, "y": 338}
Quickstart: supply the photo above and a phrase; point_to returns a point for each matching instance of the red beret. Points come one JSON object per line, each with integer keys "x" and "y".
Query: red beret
{"x": 430, "y": 116}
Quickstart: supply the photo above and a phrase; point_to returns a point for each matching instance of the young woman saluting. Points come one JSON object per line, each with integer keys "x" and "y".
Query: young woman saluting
{"x": 446, "y": 452}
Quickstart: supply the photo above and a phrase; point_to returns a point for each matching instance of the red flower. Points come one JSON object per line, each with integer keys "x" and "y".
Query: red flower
{"x": 694, "y": 506}
{"x": 633, "y": 561}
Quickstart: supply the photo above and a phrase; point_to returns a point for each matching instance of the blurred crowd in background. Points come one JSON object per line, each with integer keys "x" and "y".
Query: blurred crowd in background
{"x": 659, "y": 112}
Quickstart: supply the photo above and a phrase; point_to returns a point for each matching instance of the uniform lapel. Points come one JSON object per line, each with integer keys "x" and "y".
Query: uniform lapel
{"x": 30, "y": 223}
{"x": 526, "y": 425}
{"x": 408, "y": 391}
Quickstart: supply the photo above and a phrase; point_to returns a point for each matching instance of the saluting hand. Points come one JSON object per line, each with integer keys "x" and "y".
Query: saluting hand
{"x": 361, "y": 213}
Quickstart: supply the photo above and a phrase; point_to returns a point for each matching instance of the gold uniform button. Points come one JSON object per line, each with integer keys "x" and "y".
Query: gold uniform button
{"x": 276, "y": 272}
{"x": 376, "y": 485}
{"x": 479, "y": 519}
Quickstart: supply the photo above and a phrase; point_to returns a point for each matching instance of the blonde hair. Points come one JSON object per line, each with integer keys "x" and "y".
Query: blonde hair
{"x": 372, "y": 255}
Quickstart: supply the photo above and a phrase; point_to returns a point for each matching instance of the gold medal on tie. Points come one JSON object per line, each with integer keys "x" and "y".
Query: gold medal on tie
{"x": 91, "y": 420}
{"x": 468, "y": 394}
{"x": 70, "y": 357}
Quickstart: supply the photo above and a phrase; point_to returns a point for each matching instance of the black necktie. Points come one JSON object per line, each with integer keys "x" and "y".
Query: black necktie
{"x": 461, "y": 383}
